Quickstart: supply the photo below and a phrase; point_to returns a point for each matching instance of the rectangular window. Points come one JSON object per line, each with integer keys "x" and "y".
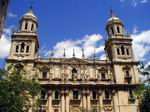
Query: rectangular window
{"x": 56, "y": 95}
{"x": 75, "y": 94}
{"x": 107, "y": 95}
{"x": 93, "y": 95}
{"x": 44, "y": 74}
{"x": 103, "y": 76}
{"x": 127, "y": 72}
{"x": 131, "y": 96}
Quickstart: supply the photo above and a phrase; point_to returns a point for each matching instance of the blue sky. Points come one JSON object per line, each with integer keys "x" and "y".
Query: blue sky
{"x": 78, "y": 22}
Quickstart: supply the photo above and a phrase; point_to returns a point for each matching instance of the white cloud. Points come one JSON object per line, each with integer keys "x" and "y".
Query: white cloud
{"x": 4, "y": 46}
{"x": 12, "y": 15}
{"x": 5, "y": 42}
{"x": 144, "y": 1}
{"x": 135, "y": 29}
{"x": 89, "y": 43}
{"x": 103, "y": 57}
{"x": 141, "y": 45}
{"x": 134, "y": 3}
{"x": 8, "y": 31}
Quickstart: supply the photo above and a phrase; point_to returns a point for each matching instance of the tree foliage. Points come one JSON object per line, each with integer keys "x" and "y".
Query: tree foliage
{"x": 17, "y": 93}
{"x": 143, "y": 90}
{"x": 145, "y": 101}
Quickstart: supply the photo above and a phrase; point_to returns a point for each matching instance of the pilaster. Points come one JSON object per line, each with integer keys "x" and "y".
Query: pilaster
{"x": 100, "y": 101}
{"x": 50, "y": 109}
{"x": 88, "y": 101}
{"x": 67, "y": 101}
{"x": 84, "y": 100}
{"x": 115, "y": 101}
{"x": 62, "y": 102}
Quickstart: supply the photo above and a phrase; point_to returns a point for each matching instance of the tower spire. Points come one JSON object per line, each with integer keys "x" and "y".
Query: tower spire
{"x": 64, "y": 55}
{"x": 112, "y": 14}
{"x": 94, "y": 54}
{"x": 83, "y": 53}
{"x": 52, "y": 53}
{"x": 31, "y": 5}
{"x": 73, "y": 52}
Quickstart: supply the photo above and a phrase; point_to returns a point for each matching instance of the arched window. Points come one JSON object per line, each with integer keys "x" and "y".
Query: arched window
{"x": 26, "y": 26}
{"x": 22, "y": 47}
{"x": 17, "y": 48}
{"x": 127, "y": 51}
{"x": 118, "y": 29}
{"x": 74, "y": 73}
{"x": 106, "y": 95}
{"x": 112, "y": 30}
{"x": 56, "y": 110}
{"x": 122, "y": 50}
{"x": 43, "y": 95}
{"x": 118, "y": 51}
{"x": 27, "y": 49}
{"x": 56, "y": 95}
{"x": 93, "y": 95}
{"x": 32, "y": 26}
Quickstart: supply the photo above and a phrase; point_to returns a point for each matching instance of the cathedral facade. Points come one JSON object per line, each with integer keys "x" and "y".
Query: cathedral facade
{"x": 80, "y": 85}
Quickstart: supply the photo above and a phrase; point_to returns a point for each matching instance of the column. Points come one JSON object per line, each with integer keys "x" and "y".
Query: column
{"x": 50, "y": 109}
{"x": 88, "y": 101}
{"x": 84, "y": 100}
{"x": 67, "y": 101}
{"x": 100, "y": 100}
{"x": 62, "y": 102}
{"x": 115, "y": 101}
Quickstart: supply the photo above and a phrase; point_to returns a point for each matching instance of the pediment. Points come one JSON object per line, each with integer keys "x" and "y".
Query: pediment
{"x": 74, "y": 60}
{"x": 102, "y": 69}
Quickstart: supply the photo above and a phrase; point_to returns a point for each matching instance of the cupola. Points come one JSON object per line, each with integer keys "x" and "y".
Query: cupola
{"x": 28, "y": 22}
{"x": 114, "y": 26}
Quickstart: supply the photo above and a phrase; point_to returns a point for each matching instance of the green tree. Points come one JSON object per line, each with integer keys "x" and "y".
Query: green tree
{"x": 17, "y": 93}
{"x": 143, "y": 90}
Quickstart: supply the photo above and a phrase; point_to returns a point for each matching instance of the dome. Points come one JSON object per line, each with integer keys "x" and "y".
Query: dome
{"x": 113, "y": 18}
{"x": 30, "y": 14}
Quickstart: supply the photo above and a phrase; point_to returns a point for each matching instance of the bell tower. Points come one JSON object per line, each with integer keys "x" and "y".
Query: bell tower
{"x": 25, "y": 41}
{"x": 119, "y": 51}
{"x": 118, "y": 45}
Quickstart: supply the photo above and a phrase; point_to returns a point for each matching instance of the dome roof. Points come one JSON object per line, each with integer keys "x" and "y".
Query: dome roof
{"x": 113, "y": 18}
{"x": 30, "y": 14}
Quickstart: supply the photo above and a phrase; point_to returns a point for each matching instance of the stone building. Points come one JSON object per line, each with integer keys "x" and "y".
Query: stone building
{"x": 80, "y": 85}
{"x": 3, "y": 12}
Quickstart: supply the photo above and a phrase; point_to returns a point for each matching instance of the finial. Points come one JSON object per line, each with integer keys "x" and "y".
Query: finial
{"x": 73, "y": 52}
{"x": 31, "y": 5}
{"x": 64, "y": 55}
{"x": 111, "y": 12}
{"x": 83, "y": 53}
{"x": 94, "y": 54}
{"x": 52, "y": 53}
